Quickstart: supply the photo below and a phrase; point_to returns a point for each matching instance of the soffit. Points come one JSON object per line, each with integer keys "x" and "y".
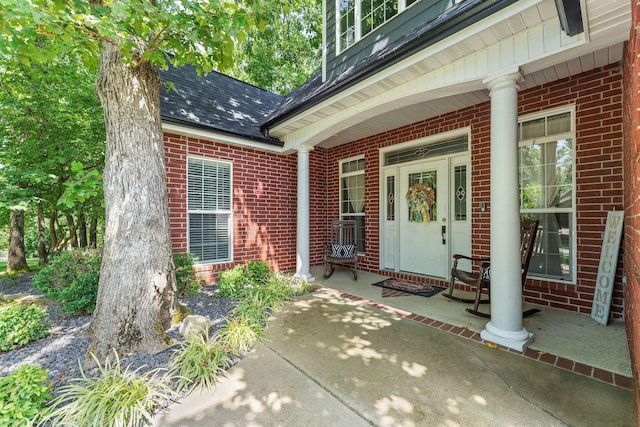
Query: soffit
{"x": 462, "y": 62}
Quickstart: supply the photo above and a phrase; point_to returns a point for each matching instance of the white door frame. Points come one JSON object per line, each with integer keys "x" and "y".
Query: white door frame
{"x": 459, "y": 231}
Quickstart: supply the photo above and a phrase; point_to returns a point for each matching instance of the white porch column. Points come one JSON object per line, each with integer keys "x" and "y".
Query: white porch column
{"x": 505, "y": 327}
{"x": 302, "y": 234}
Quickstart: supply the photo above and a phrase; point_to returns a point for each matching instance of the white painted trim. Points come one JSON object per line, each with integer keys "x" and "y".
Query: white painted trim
{"x": 220, "y": 137}
{"x": 571, "y": 108}
{"x": 446, "y": 43}
{"x": 431, "y": 139}
{"x": 231, "y": 217}
{"x": 324, "y": 40}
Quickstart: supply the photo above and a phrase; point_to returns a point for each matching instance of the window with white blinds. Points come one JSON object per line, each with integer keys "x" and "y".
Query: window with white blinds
{"x": 209, "y": 209}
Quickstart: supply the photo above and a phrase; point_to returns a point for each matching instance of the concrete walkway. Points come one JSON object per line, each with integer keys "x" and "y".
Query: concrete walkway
{"x": 333, "y": 362}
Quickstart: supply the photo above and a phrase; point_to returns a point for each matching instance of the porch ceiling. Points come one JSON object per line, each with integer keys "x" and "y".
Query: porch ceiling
{"x": 448, "y": 76}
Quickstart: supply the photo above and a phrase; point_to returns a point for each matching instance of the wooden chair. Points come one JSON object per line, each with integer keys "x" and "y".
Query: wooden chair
{"x": 480, "y": 279}
{"x": 342, "y": 248}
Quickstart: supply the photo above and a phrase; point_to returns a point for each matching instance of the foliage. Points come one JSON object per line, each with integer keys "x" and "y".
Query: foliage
{"x": 195, "y": 32}
{"x": 53, "y": 134}
{"x": 186, "y": 281}
{"x": 239, "y": 335}
{"x": 20, "y": 325}
{"x": 287, "y": 52}
{"x": 71, "y": 278}
{"x": 199, "y": 361}
{"x": 232, "y": 282}
{"x": 258, "y": 272}
{"x": 23, "y": 395}
{"x": 115, "y": 398}
{"x": 236, "y": 281}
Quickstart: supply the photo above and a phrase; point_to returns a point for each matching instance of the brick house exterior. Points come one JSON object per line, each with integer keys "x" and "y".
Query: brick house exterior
{"x": 264, "y": 183}
{"x": 338, "y": 116}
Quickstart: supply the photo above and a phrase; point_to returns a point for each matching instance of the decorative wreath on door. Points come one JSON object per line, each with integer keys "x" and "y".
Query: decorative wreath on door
{"x": 421, "y": 198}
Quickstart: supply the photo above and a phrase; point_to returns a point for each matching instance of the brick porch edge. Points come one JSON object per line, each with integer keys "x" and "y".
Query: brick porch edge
{"x": 548, "y": 358}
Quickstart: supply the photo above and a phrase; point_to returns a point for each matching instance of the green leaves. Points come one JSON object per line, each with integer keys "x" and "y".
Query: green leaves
{"x": 21, "y": 324}
{"x": 201, "y": 33}
{"x": 23, "y": 395}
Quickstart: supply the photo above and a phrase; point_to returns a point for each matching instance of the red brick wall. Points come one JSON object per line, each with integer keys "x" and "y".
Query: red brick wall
{"x": 265, "y": 186}
{"x": 632, "y": 198}
{"x": 264, "y": 202}
{"x": 597, "y": 96}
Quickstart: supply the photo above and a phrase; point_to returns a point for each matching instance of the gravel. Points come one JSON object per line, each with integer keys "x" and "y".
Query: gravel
{"x": 67, "y": 342}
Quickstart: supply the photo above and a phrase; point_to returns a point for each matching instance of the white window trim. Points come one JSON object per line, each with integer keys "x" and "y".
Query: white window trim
{"x": 567, "y": 135}
{"x": 196, "y": 211}
{"x": 346, "y": 174}
{"x": 402, "y": 6}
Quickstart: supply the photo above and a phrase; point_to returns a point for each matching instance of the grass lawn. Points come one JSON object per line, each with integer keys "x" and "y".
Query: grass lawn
{"x": 31, "y": 262}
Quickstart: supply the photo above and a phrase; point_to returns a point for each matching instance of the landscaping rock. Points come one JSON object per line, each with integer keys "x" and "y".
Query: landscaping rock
{"x": 194, "y": 323}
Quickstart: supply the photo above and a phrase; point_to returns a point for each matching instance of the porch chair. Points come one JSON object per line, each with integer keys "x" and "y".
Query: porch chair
{"x": 342, "y": 248}
{"x": 480, "y": 279}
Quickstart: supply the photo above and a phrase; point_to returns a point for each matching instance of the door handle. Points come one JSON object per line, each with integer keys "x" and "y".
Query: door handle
{"x": 444, "y": 234}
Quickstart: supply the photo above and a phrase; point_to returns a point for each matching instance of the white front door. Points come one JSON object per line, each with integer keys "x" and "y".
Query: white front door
{"x": 423, "y": 214}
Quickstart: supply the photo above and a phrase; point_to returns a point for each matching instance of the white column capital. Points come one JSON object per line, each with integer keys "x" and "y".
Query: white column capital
{"x": 502, "y": 81}
{"x": 304, "y": 149}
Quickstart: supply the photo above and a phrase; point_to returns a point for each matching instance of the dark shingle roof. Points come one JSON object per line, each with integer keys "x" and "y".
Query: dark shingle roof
{"x": 216, "y": 102}
{"x": 447, "y": 23}
{"x": 221, "y": 103}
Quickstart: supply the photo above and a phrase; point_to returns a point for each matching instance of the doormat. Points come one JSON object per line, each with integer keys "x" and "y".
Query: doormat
{"x": 400, "y": 287}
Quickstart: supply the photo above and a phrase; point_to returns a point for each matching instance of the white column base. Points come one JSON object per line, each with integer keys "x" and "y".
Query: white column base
{"x": 307, "y": 277}
{"x": 515, "y": 340}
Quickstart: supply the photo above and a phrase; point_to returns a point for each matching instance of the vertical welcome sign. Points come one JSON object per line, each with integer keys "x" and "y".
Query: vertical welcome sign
{"x": 607, "y": 267}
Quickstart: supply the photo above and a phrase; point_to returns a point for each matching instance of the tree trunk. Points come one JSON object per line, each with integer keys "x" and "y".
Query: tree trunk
{"x": 93, "y": 232}
{"x": 82, "y": 231}
{"x": 73, "y": 235}
{"x": 52, "y": 230}
{"x": 42, "y": 245}
{"x": 136, "y": 295}
{"x": 17, "y": 262}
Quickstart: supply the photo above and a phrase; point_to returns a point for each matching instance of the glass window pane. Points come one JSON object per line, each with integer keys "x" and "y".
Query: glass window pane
{"x": 560, "y": 123}
{"x": 552, "y": 255}
{"x": 391, "y": 198}
{"x": 209, "y": 206}
{"x": 460, "y": 193}
{"x": 533, "y": 129}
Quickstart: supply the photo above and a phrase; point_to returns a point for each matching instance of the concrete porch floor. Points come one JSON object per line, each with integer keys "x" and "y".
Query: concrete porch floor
{"x": 564, "y": 339}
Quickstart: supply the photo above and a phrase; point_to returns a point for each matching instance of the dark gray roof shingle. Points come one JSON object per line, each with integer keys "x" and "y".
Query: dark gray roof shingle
{"x": 216, "y": 102}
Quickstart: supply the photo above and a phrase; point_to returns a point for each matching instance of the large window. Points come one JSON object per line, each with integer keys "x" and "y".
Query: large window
{"x": 547, "y": 191}
{"x": 357, "y": 18}
{"x": 352, "y": 195}
{"x": 209, "y": 209}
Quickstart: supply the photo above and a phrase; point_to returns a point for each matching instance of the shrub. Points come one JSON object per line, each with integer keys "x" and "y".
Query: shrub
{"x": 71, "y": 279}
{"x": 239, "y": 335}
{"x": 115, "y": 398}
{"x": 186, "y": 282}
{"x": 20, "y": 325}
{"x": 258, "y": 272}
{"x": 23, "y": 395}
{"x": 233, "y": 282}
{"x": 237, "y": 281}
{"x": 199, "y": 361}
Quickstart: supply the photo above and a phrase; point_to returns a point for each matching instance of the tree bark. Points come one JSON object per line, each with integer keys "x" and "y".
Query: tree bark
{"x": 82, "y": 231}
{"x": 93, "y": 232}
{"x": 42, "y": 245}
{"x": 73, "y": 235}
{"x": 17, "y": 262}
{"x": 52, "y": 231}
{"x": 137, "y": 295}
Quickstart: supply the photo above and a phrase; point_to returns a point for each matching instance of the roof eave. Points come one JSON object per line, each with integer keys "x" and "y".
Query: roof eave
{"x": 467, "y": 17}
